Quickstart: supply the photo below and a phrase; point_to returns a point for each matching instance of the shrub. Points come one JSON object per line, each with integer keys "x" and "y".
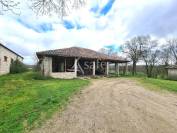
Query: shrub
{"x": 17, "y": 67}
{"x": 40, "y": 76}
{"x": 37, "y": 68}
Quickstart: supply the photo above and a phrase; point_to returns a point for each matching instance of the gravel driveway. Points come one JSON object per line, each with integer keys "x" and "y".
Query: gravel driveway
{"x": 116, "y": 106}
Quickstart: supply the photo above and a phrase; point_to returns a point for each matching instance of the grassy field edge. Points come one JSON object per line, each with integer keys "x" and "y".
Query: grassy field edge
{"x": 26, "y": 103}
{"x": 157, "y": 84}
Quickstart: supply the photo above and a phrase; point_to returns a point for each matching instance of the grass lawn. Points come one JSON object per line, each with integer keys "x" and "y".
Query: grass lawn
{"x": 25, "y": 102}
{"x": 158, "y": 84}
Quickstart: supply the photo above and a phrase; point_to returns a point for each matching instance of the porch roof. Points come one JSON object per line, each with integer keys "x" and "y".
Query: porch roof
{"x": 78, "y": 52}
{"x": 171, "y": 67}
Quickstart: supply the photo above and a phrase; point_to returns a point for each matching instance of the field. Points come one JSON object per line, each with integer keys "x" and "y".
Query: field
{"x": 25, "y": 102}
{"x": 158, "y": 84}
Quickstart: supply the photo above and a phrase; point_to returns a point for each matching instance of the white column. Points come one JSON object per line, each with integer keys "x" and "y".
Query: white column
{"x": 65, "y": 64}
{"x": 117, "y": 68}
{"x": 107, "y": 68}
{"x": 97, "y": 63}
{"x": 75, "y": 66}
{"x": 126, "y": 68}
{"x": 93, "y": 68}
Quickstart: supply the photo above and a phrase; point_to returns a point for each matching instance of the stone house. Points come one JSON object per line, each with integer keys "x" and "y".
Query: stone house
{"x": 172, "y": 72}
{"x": 71, "y": 62}
{"x": 6, "y": 57}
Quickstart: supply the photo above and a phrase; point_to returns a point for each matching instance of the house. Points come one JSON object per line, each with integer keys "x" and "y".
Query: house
{"x": 172, "y": 72}
{"x": 6, "y": 57}
{"x": 71, "y": 62}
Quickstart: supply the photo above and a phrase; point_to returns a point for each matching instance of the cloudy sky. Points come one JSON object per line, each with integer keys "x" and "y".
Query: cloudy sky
{"x": 100, "y": 23}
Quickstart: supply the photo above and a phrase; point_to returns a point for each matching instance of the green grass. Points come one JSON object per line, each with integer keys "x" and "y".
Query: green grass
{"x": 25, "y": 102}
{"x": 158, "y": 84}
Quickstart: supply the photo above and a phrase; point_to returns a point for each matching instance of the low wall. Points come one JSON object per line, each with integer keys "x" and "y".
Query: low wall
{"x": 172, "y": 74}
{"x": 63, "y": 75}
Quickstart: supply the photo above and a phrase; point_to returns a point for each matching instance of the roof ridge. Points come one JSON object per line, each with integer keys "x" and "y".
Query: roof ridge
{"x": 10, "y": 50}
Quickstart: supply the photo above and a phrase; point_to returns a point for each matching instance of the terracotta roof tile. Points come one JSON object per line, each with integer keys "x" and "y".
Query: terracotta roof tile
{"x": 80, "y": 53}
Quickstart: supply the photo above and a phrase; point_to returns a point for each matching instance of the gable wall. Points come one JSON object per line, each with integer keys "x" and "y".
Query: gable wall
{"x": 172, "y": 74}
{"x": 5, "y": 65}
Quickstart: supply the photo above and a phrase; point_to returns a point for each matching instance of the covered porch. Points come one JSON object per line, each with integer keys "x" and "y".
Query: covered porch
{"x": 72, "y": 67}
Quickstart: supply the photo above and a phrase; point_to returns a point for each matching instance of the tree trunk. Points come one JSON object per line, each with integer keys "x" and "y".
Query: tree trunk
{"x": 134, "y": 68}
{"x": 147, "y": 70}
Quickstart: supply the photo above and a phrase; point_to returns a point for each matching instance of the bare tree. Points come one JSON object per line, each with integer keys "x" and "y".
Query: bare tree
{"x": 173, "y": 48}
{"x": 165, "y": 55}
{"x": 108, "y": 51}
{"x": 133, "y": 49}
{"x": 150, "y": 55}
{"x": 9, "y": 5}
{"x": 44, "y": 7}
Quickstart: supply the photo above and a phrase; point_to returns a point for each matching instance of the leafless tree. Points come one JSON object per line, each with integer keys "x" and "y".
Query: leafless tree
{"x": 150, "y": 55}
{"x": 44, "y": 7}
{"x": 173, "y": 48}
{"x": 108, "y": 51}
{"x": 133, "y": 49}
{"x": 9, "y": 5}
{"x": 165, "y": 55}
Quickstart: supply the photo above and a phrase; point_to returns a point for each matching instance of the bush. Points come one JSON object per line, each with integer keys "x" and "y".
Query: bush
{"x": 17, "y": 67}
{"x": 40, "y": 76}
{"x": 37, "y": 68}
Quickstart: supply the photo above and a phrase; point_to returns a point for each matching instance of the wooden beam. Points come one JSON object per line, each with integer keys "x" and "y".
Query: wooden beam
{"x": 79, "y": 66}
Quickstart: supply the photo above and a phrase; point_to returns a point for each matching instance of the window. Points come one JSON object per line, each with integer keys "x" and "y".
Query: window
{"x": 5, "y": 58}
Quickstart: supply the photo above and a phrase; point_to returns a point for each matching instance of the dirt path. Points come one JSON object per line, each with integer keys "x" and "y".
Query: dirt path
{"x": 116, "y": 106}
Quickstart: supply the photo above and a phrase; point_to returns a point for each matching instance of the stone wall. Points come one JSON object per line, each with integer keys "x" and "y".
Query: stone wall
{"x": 172, "y": 74}
{"x": 46, "y": 67}
{"x": 63, "y": 75}
{"x": 5, "y": 65}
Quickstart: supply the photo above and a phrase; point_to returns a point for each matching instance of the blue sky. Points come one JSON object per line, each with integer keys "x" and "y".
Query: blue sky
{"x": 100, "y": 23}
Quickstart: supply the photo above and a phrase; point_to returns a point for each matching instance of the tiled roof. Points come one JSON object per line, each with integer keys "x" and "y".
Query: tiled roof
{"x": 80, "y": 53}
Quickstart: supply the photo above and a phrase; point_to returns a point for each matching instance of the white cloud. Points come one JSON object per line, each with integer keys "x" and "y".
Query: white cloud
{"x": 96, "y": 32}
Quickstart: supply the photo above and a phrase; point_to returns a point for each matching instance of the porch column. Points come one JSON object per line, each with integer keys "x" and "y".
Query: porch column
{"x": 97, "y": 63}
{"x": 107, "y": 68}
{"x": 93, "y": 68}
{"x": 75, "y": 66}
{"x": 65, "y": 64}
{"x": 126, "y": 68}
{"x": 117, "y": 68}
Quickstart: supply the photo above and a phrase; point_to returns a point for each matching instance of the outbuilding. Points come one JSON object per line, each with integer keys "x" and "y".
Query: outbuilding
{"x": 172, "y": 72}
{"x": 6, "y": 57}
{"x": 71, "y": 62}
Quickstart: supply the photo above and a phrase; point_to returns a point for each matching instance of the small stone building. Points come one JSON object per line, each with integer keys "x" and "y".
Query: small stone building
{"x": 71, "y": 62}
{"x": 172, "y": 72}
{"x": 6, "y": 57}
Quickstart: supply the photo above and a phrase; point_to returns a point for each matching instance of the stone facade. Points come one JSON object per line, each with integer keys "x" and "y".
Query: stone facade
{"x": 172, "y": 74}
{"x": 46, "y": 68}
{"x": 64, "y": 75}
{"x": 6, "y": 56}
